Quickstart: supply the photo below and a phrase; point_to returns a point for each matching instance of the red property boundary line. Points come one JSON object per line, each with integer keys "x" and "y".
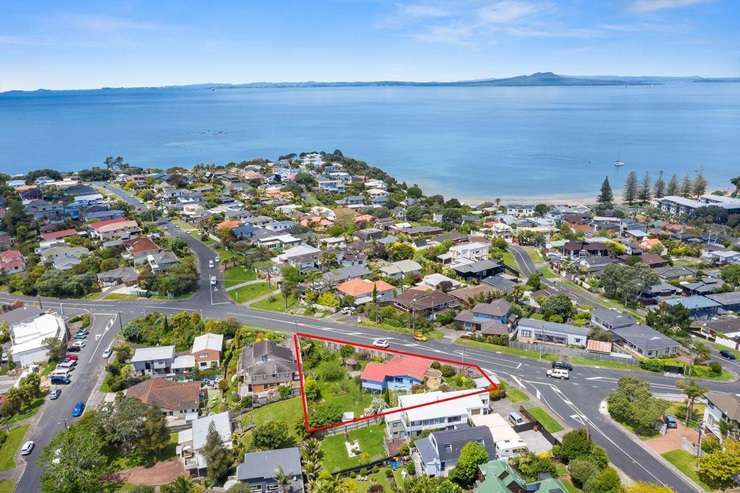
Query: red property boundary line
{"x": 304, "y": 400}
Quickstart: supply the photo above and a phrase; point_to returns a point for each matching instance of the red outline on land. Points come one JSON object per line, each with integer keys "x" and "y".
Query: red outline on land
{"x": 304, "y": 401}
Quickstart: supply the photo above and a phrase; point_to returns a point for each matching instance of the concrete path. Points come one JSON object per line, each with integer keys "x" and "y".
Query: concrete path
{"x": 262, "y": 297}
{"x": 242, "y": 284}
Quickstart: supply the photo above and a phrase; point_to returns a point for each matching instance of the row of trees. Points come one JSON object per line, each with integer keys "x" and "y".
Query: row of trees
{"x": 641, "y": 191}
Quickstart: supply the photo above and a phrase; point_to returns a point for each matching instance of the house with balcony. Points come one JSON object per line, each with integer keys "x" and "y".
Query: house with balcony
{"x": 264, "y": 366}
{"x": 535, "y": 331}
{"x": 437, "y": 454}
{"x": 399, "y": 374}
{"x": 190, "y": 442}
{"x": 155, "y": 360}
{"x": 722, "y": 408}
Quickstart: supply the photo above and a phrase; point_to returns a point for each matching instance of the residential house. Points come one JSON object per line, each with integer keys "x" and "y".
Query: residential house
{"x": 161, "y": 262}
{"x": 705, "y": 286}
{"x": 672, "y": 272}
{"x": 207, "y": 350}
{"x": 533, "y": 331}
{"x": 721, "y": 256}
{"x": 437, "y": 453}
{"x": 722, "y": 408}
{"x": 488, "y": 318}
{"x": 122, "y": 275}
{"x": 424, "y": 303}
{"x": 610, "y": 319}
{"x": 190, "y": 442}
{"x": 439, "y": 281}
{"x": 345, "y": 273}
{"x": 447, "y": 410}
{"x": 399, "y": 374}
{"x": 369, "y": 234}
{"x": 575, "y": 248}
{"x": 64, "y": 257}
{"x": 43, "y": 210}
{"x": 279, "y": 226}
{"x": 12, "y": 262}
{"x": 29, "y": 330}
{"x": 676, "y": 205}
{"x": 507, "y": 442}
{"x": 265, "y": 365}
{"x": 479, "y": 269}
{"x": 279, "y": 241}
{"x": 259, "y": 470}
{"x": 724, "y": 331}
{"x": 58, "y": 235}
{"x": 466, "y": 253}
{"x": 362, "y": 290}
{"x": 728, "y": 301}
{"x": 520, "y": 210}
{"x": 140, "y": 248}
{"x": 400, "y": 269}
{"x": 499, "y": 477}
{"x": 155, "y": 360}
{"x": 176, "y": 399}
{"x": 500, "y": 283}
{"x": 472, "y": 292}
{"x": 645, "y": 341}
{"x": 302, "y": 257}
{"x": 119, "y": 228}
{"x": 698, "y": 306}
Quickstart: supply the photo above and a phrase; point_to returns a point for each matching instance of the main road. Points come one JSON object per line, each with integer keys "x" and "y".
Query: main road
{"x": 577, "y": 402}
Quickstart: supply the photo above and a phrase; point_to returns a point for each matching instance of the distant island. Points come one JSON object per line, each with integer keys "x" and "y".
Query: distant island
{"x": 538, "y": 79}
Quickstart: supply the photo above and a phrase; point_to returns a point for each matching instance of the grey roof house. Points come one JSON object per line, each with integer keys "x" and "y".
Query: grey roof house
{"x": 259, "y": 469}
{"x": 489, "y": 318}
{"x": 532, "y": 330}
{"x": 610, "y": 319}
{"x": 153, "y": 360}
{"x": 646, "y": 341}
{"x": 437, "y": 453}
{"x": 265, "y": 365}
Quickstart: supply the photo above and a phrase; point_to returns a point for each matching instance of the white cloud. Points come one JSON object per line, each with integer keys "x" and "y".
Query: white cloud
{"x": 507, "y": 11}
{"x": 646, "y": 6}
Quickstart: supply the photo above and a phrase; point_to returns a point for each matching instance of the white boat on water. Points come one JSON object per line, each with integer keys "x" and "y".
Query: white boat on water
{"x": 618, "y": 163}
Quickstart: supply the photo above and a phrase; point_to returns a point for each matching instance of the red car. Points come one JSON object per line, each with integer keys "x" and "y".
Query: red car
{"x": 74, "y": 357}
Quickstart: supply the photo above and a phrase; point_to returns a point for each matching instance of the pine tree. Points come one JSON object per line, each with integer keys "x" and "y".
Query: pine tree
{"x": 216, "y": 454}
{"x": 700, "y": 185}
{"x": 686, "y": 187}
{"x": 606, "y": 196}
{"x": 659, "y": 187}
{"x": 630, "y": 188}
{"x": 672, "y": 186}
{"x": 644, "y": 193}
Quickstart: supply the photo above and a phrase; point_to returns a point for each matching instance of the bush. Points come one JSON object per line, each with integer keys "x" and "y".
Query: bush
{"x": 715, "y": 367}
{"x": 448, "y": 371}
{"x": 581, "y": 470}
{"x": 708, "y": 445}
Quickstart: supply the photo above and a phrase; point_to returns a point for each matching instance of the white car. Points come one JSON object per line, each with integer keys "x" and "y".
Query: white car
{"x": 108, "y": 351}
{"x": 27, "y": 447}
{"x": 381, "y": 343}
{"x": 217, "y": 259}
{"x": 211, "y": 264}
{"x": 213, "y": 280}
{"x": 560, "y": 373}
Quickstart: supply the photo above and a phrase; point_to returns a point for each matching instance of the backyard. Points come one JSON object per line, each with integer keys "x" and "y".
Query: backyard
{"x": 287, "y": 411}
{"x": 370, "y": 440}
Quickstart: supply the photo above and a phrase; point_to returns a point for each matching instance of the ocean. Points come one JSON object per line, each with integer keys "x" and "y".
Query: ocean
{"x": 471, "y": 142}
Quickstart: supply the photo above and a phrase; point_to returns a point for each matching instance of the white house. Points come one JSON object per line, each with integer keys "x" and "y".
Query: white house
{"x": 473, "y": 251}
{"x": 27, "y": 338}
{"x": 190, "y": 442}
{"x": 721, "y": 407}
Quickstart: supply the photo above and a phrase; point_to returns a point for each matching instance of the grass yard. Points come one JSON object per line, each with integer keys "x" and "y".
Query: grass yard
{"x": 570, "y": 486}
{"x": 288, "y": 412}
{"x": 249, "y": 292}
{"x": 548, "y": 273}
{"x": 534, "y": 254}
{"x": 462, "y": 341}
{"x": 10, "y": 447}
{"x": 431, "y": 334}
{"x": 16, "y": 418}
{"x": 377, "y": 478}
{"x": 514, "y": 394}
{"x": 582, "y": 360}
{"x": 238, "y": 275}
{"x": 224, "y": 254}
{"x": 371, "y": 444}
{"x": 509, "y": 261}
{"x": 686, "y": 463}
{"x": 547, "y": 421}
{"x": 276, "y": 303}
{"x": 214, "y": 399}
{"x": 7, "y": 486}
{"x": 121, "y": 296}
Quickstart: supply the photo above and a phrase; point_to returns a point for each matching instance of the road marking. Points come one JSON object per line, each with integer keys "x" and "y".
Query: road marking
{"x": 519, "y": 382}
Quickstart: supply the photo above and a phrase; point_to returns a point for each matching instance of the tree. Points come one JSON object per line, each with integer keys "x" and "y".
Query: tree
{"x": 414, "y": 192}
{"x": 558, "y": 305}
{"x": 672, "y": 188}
{"x": 659, "y": 186}
{"x": 720, "y": 467}
{"x": 472, "y": 455}
{"x": 530, "y": 466}
{"x": 282, "y": 479}
{"x": 179, "y": 485}
{"x": 606, "y": 481}
{"x": 154, "y": 436}
{"x": 534, "y": 281}
{"x": 606, "y": 197}
{"x": 643, "y": 487}
{"x": 74, "y": 461}
{"x": 643, "y": 194}
{"x": 633, "y": 404}
{"x": 692, "y": 390}
{"x": 55, "y": 348}
{"x": 630, "y": 188}
{"x": 218, "y": 457}
{"x": 671, "y": 320}
{"x": 575, "y": 444}
{"x": 627, "y": 283}
{"x": 541, "y": 209}
{"x": 731, "y": 274}
{"x": 581, "y": 470}
{"x": 271, "y": 435}
{"x": 120, "y": 423}
{"x": 686, "y": 187}
{"x": 699, "y": 187}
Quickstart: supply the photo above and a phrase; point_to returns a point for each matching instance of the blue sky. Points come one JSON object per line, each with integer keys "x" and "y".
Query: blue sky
{"x": 89, "y": 44}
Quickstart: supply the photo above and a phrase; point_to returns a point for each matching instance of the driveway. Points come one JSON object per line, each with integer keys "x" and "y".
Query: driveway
{"x": 160, "y": 473}
{"x": 673, "y": 439}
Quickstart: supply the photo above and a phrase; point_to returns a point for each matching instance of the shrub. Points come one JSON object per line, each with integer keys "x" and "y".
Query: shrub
{"x": 708, "y": 445}
{"x": 448, "y": 371}
{"x": 581, "y": 470}
{"x": 715, "y": 367}
{"x": 375, "y": 488}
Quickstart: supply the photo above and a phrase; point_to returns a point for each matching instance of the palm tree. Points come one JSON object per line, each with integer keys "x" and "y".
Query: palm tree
{"x": 692, "y": 390}
{"x": 179, "y": 485}
{"x": 282, "y": 479}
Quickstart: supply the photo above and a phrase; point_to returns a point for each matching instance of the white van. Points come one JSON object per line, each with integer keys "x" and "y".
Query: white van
{"x": 516, "y": 419}
{"x": 60, "y": 372}
{"x": 560, "y": 373}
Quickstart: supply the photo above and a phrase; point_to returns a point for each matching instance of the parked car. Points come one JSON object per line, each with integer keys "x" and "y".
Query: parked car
{"x": 108, "y": 351}
{"x": 560, "y": 373}
{"x": 670, "y": 422}
{"x": 67, "y": 365}
{"x": 211, "y": 264}
{"x": 563, "y": 365}
{"x": 27, "y": 447}
{"x": 381, "y": 343}
{"x": 55, "y": 393}
{"x": 217, "y": 259}
{"x": 213, "y": 280}
{"x": 78, "y": 344}
{"x": 59, "y": 379}
{"x": 347, "y": 310}
{"x": 727, "y": 354}
{"x": 73, "y": 349}
{"x": 516, "y": 419}
{"x": 71, "y": 357}
{"x": 78, "y": 409}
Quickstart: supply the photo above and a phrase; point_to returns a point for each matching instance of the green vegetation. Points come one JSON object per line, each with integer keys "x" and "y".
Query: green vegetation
{"x": 9, "y": 449}
{"x": 686, "y": 463}
{"x": 508, "y": 259}
{"x": 286, "y": 411}
{"x": 238, "y": 275}
{"x": 633, "y": 405}
{"x": 584, "y": 361}
{"x": 276, "y": 303}
{"x": 515, "y": 395}
{"x": 370, "y": 440}
{"x": 547, "y": 421}
{"x": 7, "y": 486}
{"x": 464, "y": 341}
{"x": 250, "y": 292}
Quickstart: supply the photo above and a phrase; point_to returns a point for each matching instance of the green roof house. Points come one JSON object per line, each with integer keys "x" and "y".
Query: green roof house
{"x": 500, "y": 477}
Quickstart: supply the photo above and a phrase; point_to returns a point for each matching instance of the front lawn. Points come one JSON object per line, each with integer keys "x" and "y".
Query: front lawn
{"x": 7, "y": 486}
{"x": 686, "y": 463}
{"x": 431, "y": 334}
{"x": 464, "y": 341}
{"x": 10, "y": 448}
{"x": 380, "y": 478}
{"x": 238, "y": 275}
{"x": 249, "y": 292}
{"x": 276, "y": 303}
{"x": 547, "y": 421}
{"x": 287, "y": 412}
{"x": 509, "y": 261}
{"x": 371, "y": 444}
{"x": 514, "y": 394}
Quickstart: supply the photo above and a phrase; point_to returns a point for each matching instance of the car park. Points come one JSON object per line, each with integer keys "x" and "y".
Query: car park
{"x": 727, "y": 354}
{"x": 563, "y": 365}
{"x": 27, "y": 447}
{"x": 560, "y": 373}
{"x": 55, "y": 393}
{"x": 381, "y": 343}
{"x": 78, "y": 409}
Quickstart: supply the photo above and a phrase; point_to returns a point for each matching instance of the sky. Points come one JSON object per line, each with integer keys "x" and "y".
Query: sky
{"x": 90, "y": 44}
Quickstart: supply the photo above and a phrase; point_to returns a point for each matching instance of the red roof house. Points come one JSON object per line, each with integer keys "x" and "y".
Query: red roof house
{"x": 400, "y": 373}
{"x": 58, "y": 235}
{"x": 12, "y": 261}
